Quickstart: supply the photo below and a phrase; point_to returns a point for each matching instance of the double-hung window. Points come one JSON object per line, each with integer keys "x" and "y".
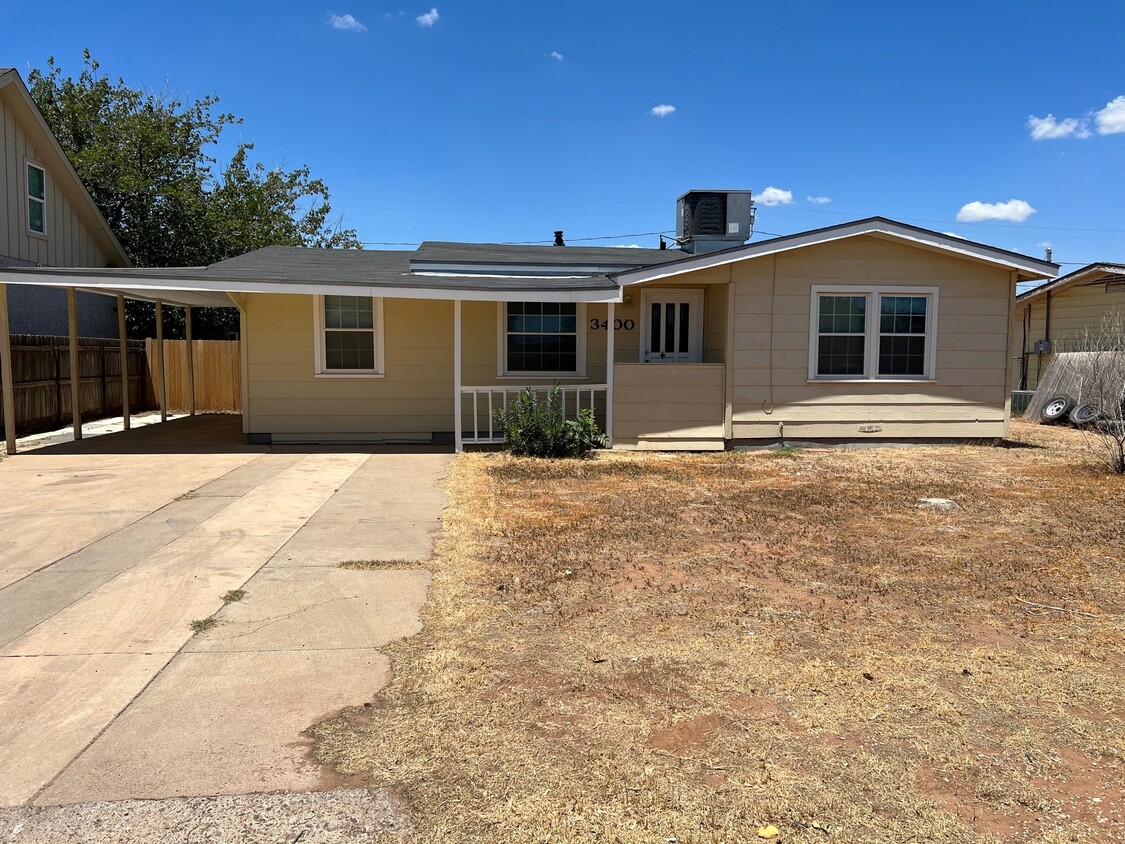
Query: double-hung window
{"x": 542, "y": 338}
{"x": 873, "y": 333}
{"x": 36, "y": 199}
{"x": 349, "y": 336}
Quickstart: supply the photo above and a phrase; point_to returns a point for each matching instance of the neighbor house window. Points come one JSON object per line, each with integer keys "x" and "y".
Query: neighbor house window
{"x": 873, "y": 333}
{"x": 36, "y": 199}
{"x": 349, "y": 333}
{"x": 542, "y": 338}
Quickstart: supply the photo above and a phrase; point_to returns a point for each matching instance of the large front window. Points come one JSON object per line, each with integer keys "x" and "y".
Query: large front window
{"x": 541, "y": 338}
{"x": 349, "y": 332}
{"x": 873, "y": 333}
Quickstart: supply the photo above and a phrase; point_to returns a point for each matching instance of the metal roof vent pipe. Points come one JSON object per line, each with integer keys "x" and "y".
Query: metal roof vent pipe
{"x": 559, "y": 238}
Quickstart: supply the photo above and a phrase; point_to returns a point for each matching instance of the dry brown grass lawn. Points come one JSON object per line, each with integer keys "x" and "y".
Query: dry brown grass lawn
{"x": 641, "y": 648}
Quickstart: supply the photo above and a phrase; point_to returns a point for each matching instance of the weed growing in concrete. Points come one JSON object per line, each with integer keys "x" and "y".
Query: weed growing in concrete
{"x": 375, "y": 565}
{"x": 202, "y": 624}
{"x": 234, "y": 596}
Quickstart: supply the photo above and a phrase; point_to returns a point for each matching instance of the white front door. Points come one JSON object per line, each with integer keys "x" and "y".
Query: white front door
{"x": 672, "y": 323}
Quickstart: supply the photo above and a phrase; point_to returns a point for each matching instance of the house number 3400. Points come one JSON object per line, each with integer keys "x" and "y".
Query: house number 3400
{"x": 618, "y": 324}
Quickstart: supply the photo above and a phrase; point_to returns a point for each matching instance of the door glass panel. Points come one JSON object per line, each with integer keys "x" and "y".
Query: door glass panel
{"x": 669, "y": 328}
{"x": 654, "y": 334}
{"x": 684, "y": 322}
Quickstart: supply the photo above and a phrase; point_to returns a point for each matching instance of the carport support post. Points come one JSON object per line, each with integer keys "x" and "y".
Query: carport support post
{"x": 162, "y": 396}
{"x": 609, "y": 375}
{"x": 190, "y": 362}
{"x": 75, "y": 397}
{"x": 124, "y": 360}
{"x": 9, "y": 388}
{"x": 458, "y": 445}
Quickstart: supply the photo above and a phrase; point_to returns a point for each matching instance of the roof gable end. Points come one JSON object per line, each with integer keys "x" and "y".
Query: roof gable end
{"x": 1027, "y": 267}
{"x": 15, "y": 92}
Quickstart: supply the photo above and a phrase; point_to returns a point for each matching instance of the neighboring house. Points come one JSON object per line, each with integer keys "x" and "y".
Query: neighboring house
{"x": 1054, "y": 317}
{"x": 868, "y": 331}
{"x": 47, "y": 218}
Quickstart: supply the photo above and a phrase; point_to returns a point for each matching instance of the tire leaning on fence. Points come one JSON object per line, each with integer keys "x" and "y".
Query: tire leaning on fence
{"x": 1084, "y": 414}
{"x": 1056, "y": 408}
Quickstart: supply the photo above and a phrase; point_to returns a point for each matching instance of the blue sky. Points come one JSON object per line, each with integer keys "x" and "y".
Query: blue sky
{"x": 502, "y": 121}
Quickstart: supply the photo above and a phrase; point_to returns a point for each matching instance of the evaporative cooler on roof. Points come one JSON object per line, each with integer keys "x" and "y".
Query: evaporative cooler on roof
{"x": 710, "y": 220}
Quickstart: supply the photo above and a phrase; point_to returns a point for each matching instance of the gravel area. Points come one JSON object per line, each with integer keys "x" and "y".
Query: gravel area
{"x": 331, "y": 817}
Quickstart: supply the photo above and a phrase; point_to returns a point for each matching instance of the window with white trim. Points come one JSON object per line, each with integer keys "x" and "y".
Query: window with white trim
{"x": 542, "y": 338}
{"x": 36, "y": 199}
{"x": 874, "y": 333}
{"x": 349, "y": 335}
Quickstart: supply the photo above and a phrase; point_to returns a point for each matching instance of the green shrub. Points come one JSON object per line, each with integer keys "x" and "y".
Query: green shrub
{"x": 536, "y": 427}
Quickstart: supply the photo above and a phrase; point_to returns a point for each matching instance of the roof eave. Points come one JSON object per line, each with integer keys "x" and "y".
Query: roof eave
{"x": 1070, "y": 280}
{"x": 194, "y": 281}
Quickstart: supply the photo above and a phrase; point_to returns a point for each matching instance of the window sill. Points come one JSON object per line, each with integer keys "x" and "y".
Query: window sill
{"x": 361, "y": 375}
{"x": 38, "y": 235}
{"x": 539, "y": 376}
{"x": 871, "y": 381}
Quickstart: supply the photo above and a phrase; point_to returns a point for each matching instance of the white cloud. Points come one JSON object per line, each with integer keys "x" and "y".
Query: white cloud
{"x": 557, "y": 56}
{"x": 1111, "y": 119}
{"x": 1014, "y": 210}
{"x": 627, "y": 246}
{"x": 429, "y": 19}
{"x": 347, "y": 23}
{"x": 1048, "y": 128}
{"x": 663, "y": 110}
{"x": 775, "y": 196}
{"x": 818, "y": 200}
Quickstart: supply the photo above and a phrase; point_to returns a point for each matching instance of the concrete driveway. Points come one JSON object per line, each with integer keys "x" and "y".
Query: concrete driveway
{"x": 111, "y": 548}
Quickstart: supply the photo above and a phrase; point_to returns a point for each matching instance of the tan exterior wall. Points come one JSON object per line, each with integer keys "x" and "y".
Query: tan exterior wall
{"x": 669, "y": 406}
{"x": 67, "y": 242}
{"x": 413, "y": 400}
{"x": 1073, "y": 311}
{"x": 773, "y": 298}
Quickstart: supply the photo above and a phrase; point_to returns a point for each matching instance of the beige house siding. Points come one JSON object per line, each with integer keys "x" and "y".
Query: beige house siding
{"x": 1073, "y": 311}
{"x": 771, "y": 388}
{"x": 669, "y": 406}
{"x": 415, "y": 397}
{"x": 67, "y": 242}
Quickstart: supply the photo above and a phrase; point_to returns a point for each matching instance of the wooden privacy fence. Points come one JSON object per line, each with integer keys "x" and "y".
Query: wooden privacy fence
{"x": 41, "y": 380}
{"x": 218, "y": 375}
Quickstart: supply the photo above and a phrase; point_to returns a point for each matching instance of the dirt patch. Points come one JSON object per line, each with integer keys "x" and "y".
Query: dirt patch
{"x": 643, "y": 647}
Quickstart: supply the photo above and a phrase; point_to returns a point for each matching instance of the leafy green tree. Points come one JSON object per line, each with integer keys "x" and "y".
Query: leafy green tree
{"x": 147, "y": 159}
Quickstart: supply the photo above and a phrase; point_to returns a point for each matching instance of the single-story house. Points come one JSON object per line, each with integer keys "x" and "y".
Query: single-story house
{"x": 1053, "y": 317}
{"x": 48, "y": 218}
{"x": 869, "y": 330}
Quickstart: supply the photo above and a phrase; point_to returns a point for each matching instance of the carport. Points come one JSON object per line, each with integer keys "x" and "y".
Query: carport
{"x": 160, "y": 289}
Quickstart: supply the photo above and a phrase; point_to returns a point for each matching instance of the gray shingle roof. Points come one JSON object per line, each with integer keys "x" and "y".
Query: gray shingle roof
{"x": 443, "y": 252}
{"x": 375, "y": 267}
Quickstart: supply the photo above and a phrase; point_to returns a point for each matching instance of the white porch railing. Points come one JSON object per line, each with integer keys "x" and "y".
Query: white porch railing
{"x": 479, "y": 406}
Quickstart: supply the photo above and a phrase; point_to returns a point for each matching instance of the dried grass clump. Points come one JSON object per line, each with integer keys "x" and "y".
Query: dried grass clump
{"x": 645, "y": 647}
